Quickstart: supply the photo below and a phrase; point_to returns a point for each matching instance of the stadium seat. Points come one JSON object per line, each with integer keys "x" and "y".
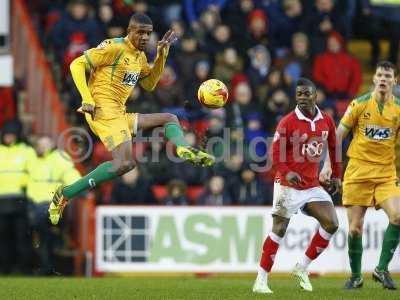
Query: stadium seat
{"x": 159, "y": 192}
{"x": 193, "y": 192}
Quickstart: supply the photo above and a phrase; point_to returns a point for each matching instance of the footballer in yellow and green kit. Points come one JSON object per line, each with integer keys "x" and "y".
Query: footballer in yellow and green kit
{"x": 370, "y": 176}
{"x": 116, "y": 66}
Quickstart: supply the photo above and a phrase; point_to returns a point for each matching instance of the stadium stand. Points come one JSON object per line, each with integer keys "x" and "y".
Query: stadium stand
{"x": 258, "y": 48}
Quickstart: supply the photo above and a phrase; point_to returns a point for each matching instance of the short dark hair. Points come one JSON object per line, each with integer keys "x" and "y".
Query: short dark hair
{"x": 306, "y": 82}
{"x": 140, "y": 18}
{"x": 385, "y": 64}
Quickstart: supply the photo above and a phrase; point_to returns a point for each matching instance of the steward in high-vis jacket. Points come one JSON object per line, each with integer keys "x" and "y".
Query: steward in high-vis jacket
{"x": 14, "y": 232}
{"x": 50, "y": 168}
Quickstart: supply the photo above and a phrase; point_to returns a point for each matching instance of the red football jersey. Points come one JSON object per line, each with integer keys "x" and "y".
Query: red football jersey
{"x": 298, "y": 145}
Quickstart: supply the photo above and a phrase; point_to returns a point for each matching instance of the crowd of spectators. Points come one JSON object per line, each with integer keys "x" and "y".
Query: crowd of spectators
{"x": 259, "y": 48}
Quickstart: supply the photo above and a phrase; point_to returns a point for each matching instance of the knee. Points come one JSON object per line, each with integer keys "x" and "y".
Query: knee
{"x": 125, "y": 166}
{"x": 170, "y": 118}
{"x": 355, "y": 229}
{"x": 395, "y": 218}
{"x": 330, "y": 226}
{"x": 279, "y": 229}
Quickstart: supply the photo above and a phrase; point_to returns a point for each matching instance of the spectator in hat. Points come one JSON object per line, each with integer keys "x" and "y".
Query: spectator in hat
{"x": 75, "y": 19}
{"x": 257, "y": 26}
{"x": 338, "y": 71}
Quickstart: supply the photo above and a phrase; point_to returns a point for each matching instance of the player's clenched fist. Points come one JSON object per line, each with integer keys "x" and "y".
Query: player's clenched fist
{"x": 336, "y": 186}
{"x": 87, "y": 108}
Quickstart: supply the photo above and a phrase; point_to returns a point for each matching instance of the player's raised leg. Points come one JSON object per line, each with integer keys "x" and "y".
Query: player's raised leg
{"x": 390, "y": 243}
{"x": 174, "y": 133}
{"x": 325, "y": 213}
{"x": 355, "y": 216}
{"x": 122, "y": 163}
{"x": 270, "y": 248}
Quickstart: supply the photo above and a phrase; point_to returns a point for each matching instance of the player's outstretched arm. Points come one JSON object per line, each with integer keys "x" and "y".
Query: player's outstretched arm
{"x": 78, "y": 72}
{"x": 153, "y": 75}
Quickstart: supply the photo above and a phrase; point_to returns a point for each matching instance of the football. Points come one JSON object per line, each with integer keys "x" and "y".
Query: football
{"x": 212, "y": 93}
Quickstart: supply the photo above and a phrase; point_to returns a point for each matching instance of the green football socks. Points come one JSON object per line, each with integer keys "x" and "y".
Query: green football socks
{"x": 174, "y": 133}
{"x": 103, "y": 172}
{"x": 389, "y": 245}
{"x": 106, "y": 171}
{"x": 355, "y": 254}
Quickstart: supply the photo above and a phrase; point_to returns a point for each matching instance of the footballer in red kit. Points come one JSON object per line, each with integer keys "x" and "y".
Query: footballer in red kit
{"x": 299, "y": 143}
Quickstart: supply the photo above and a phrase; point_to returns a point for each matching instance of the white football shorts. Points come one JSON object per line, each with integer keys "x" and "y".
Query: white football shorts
{"x": 288, "y": 201}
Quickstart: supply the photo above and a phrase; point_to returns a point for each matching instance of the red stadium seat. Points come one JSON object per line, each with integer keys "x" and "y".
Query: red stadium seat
{"x": 193, "y": 192}
{"x": 159, "y": 192}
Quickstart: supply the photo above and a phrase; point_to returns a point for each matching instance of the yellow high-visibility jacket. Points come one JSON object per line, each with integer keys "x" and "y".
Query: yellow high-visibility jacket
{"x": 47, "y": 172}
{"x": 14, "y": 161}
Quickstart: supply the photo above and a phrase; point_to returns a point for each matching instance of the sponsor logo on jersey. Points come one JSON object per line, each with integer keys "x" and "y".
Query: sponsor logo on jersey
{"x": 312, "y": 149}
{"x": 377, "y": 133}
{"x": 130, "y": 78}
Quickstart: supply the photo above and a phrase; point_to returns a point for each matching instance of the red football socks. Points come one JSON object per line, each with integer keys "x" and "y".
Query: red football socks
{"x": 270, "y": 247}
{"x": 318, "y": 244}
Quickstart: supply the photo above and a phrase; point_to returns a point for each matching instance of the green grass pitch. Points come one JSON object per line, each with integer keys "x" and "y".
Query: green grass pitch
{"x": 216, "y": 287}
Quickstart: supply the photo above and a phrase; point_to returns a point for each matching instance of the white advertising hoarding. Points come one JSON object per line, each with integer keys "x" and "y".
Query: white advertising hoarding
{"x": 4, "y": 17}
{"x": 6, "y": 67}
{"x": 219, "y": 239}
